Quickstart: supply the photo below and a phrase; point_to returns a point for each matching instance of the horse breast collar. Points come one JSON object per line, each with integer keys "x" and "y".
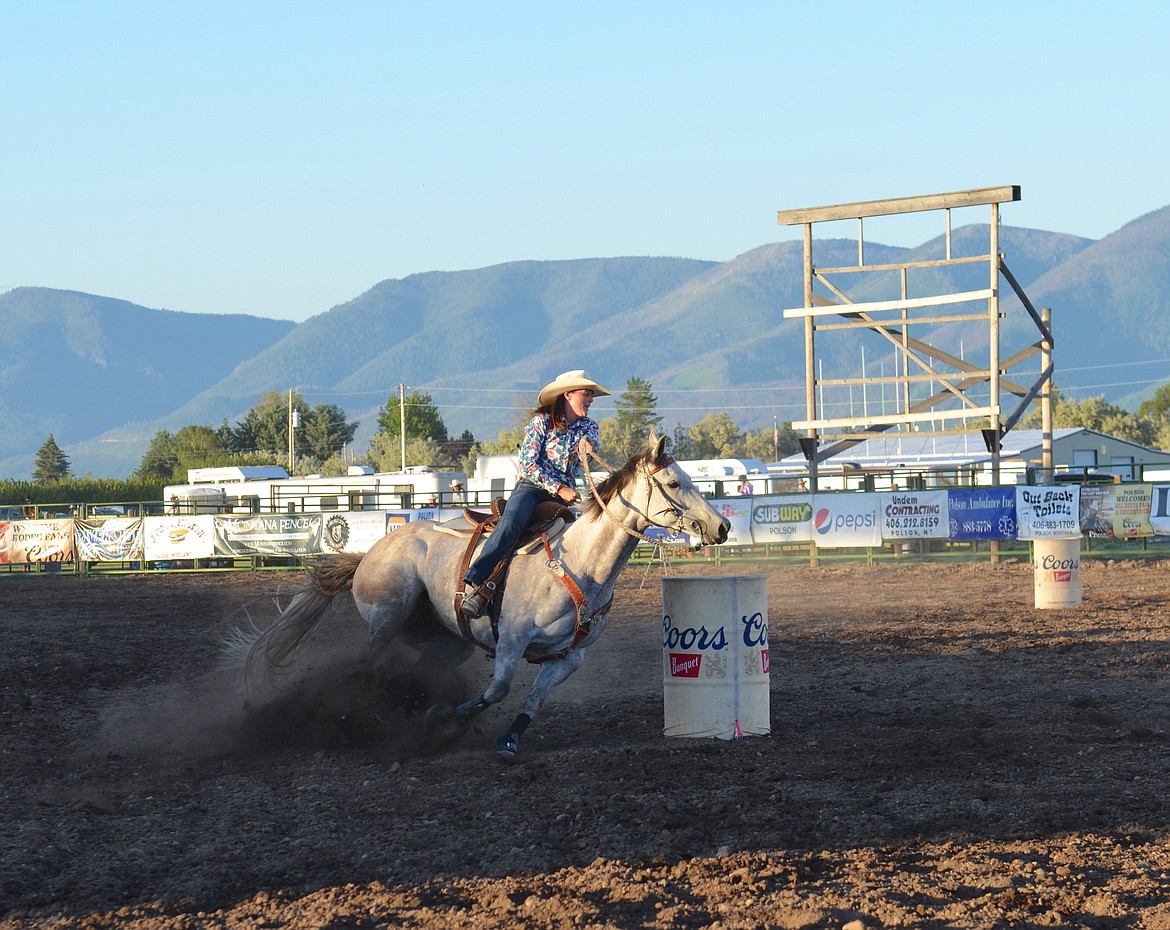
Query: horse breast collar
{"x": 583, "y": 625}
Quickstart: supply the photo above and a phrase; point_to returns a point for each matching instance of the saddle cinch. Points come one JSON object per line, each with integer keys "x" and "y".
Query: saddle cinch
{"x": 548, "y": 522}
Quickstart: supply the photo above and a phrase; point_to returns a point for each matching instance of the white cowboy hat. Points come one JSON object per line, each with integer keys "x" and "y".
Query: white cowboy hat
{"x": 567, "y": 381}
{"x": 456, "y": 484}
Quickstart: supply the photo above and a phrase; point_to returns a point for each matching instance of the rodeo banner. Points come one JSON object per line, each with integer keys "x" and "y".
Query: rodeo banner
{"x": 915, "y": 515}
{"x": 846, "y": 520}
{"x": 36, "y": 541}
{"x": 1048, "y": 513}
{"x": 116, "y": 539}
{"x": 782, "y": 519}
{"x": 182, "y": 537}
{"x": 269, "y": 534}
{"x": 982, "y": 513}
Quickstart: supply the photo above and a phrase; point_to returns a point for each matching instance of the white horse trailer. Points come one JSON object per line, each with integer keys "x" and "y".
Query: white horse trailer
{"x": 361, "y": 489}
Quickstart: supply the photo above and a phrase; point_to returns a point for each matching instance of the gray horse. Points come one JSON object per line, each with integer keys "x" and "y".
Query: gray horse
{"x": 554, "y": 605}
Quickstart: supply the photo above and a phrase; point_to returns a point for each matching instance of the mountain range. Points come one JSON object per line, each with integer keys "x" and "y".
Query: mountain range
{"x": 104, "y": 375}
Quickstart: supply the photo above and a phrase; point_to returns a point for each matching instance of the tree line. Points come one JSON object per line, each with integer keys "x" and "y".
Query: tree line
{"x": 261, "y": 437}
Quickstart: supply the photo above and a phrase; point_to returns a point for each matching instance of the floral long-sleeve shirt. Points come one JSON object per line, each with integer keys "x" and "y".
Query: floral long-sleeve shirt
{"x": 548, "y": 456}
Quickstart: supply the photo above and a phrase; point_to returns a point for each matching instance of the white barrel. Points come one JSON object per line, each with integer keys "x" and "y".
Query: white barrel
{"x": 715, "y": 658}
{"x": 1056, "y": 565}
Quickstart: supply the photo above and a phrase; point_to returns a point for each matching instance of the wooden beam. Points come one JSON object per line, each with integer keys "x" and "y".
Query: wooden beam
{"x": 877, "y": 306}
{"x": 850, "y": 211}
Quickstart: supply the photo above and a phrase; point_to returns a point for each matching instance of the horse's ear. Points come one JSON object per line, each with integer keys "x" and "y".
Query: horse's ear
{"x": 657, "y": 443}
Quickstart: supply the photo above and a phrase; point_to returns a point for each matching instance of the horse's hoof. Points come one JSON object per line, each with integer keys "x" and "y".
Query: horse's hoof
{"x": 471, "y": 708}
{"x": 440, "y": 712}
{"x": 507, "y": 747}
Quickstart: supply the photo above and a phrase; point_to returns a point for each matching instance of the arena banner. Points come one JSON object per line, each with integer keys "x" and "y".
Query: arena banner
{"x": 1048, "y": 513}
{"x": 115, "y": 539}
{"x": 782, "y": 519}
{"x": 1131, "y": 510}
{"x": 180, "y": 537}
{"x": 352, "y": 531}
{"x": 981, "y": 513}
{"x": 846, "y": 520}
{"x": 1097, "y": 510}
{"x": 269, "y": 534}
{"x": 1160, "y": 509}
{"x": 24, "y": 541}
{"x": 915, "y": 515}
{"x": 738, "y": 512}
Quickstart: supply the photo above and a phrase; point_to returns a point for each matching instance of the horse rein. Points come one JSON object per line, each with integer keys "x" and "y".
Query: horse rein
{"x": 673, "y": 508}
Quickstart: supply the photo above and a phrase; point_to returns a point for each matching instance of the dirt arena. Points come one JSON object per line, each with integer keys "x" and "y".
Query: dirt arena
{"x": 942, "y": 755}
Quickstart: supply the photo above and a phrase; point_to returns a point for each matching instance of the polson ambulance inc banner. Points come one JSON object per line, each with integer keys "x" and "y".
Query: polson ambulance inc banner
{"x": 115, "y": 539}
{"x": 915, "y": 515}
{"x": 269, "y": 534}
{"x": 1096, "y": 510}
{"x": 782, "y": 519}
{"x": 179, "y": 537}
{"x": 36, "y": 541}
{"x": 982, "y": 513}
{"x": 1131, "y": 510}
{"x": 352, "y": 531}
{"x": 845, "y": 520}
{"x": 1048, "y": 513}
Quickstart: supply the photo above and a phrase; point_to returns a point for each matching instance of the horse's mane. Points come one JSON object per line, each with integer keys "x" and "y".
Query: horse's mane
{"x": 606, "y": 489}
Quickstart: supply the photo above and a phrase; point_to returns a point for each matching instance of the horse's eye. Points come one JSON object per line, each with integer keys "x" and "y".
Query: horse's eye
{"x": 674, "y": 483}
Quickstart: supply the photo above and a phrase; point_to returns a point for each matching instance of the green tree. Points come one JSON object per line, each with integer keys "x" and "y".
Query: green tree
{"x": 1156, "y": 413}
{"x": 636, "y": 416}
{"x": 715, "y": 437}
{"x": 507, "y": 443}
{"x": 324, "y": 431}
{"x": 770, "y": 444}
{"x": 160, "y": 459}
{"x": 51, "y": 464}
{"x": 1093, "y": 413}
{"x": 386, "y": 453}
{"x": 422, "y": 418}
{"x": 264, "y": 428}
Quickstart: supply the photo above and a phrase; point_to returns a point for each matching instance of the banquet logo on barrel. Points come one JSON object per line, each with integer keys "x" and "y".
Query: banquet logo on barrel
{"x": 685, "y": 664}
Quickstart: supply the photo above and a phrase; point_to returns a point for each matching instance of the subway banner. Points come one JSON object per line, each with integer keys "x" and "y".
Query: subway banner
{"x": 113, "y": 539}
{"x": 782, "y": 518}
{"x": 269, "y": 534}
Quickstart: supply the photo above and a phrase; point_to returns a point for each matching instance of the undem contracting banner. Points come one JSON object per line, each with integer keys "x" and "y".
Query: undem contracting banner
{"x": 848, "y": 519}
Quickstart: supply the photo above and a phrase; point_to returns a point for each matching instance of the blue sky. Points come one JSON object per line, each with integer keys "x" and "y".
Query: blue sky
{"x": 279, "y": 158}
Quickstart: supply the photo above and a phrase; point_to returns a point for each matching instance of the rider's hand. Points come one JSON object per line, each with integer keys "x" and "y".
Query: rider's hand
{"x": 568, "y": 495}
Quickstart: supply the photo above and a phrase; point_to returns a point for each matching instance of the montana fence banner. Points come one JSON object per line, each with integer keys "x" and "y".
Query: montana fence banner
{"x": 354, "y": 531}
{"x": 181, "y": 537}
{"x": 1131, "y": 511}
{"x": 115, "y": 539}
{"x": 982, "y": 513}
{"x": 782, "y": 519}
{"x": 269, "y": 534}
{"x": 846, "y": 520}
{"x": 1096, "y": 510}
{"x": 915, "y": 515}
{"x": 1048, "y": 513}
{"x": 37, "y": 541}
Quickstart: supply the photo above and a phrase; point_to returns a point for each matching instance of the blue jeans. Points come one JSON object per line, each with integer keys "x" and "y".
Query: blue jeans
{"x": 515, "y": 519}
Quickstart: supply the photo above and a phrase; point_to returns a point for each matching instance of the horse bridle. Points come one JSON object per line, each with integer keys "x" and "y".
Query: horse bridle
{"x": 677, "y": 527}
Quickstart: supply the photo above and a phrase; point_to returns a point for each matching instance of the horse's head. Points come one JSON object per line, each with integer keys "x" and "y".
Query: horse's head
{"x": 662, "y": 494}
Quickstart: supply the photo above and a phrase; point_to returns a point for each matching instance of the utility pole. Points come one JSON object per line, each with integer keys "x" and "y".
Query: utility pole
{"x": 402, "y": 421}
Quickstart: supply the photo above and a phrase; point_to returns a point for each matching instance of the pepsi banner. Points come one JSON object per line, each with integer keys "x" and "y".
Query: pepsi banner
{"x": 846, "y": 520}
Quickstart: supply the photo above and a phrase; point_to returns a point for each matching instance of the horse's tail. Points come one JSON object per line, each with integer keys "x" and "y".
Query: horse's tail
{"x": 269, "y": 652}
